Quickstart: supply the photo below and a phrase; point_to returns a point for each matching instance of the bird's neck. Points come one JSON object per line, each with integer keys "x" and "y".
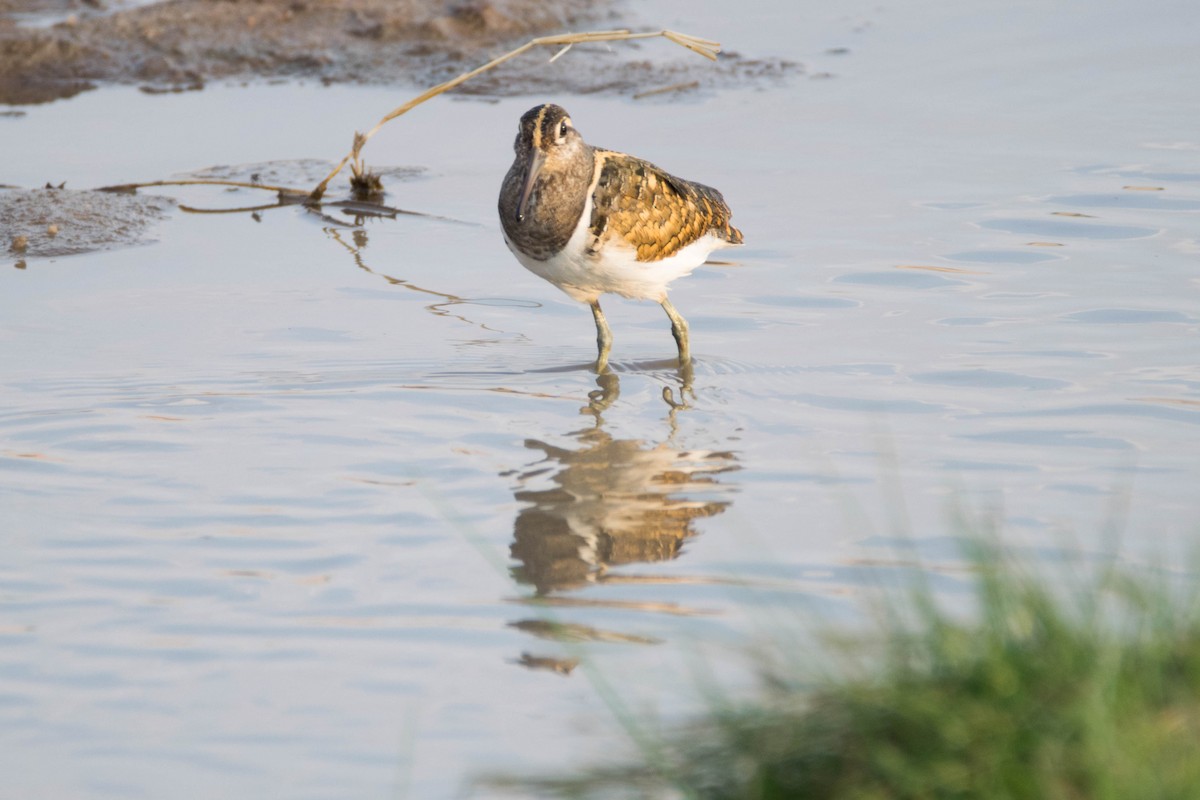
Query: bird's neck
{"x": 555, "y": 206}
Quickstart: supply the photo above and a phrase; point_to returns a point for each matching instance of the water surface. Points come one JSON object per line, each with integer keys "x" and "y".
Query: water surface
{"x": 279, "y": 498}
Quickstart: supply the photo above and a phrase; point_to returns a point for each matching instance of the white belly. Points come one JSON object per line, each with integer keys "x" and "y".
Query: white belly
{"x": 614, "y": 269}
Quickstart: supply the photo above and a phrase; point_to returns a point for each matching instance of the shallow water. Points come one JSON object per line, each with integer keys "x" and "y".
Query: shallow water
{"x": 275, "y": 493}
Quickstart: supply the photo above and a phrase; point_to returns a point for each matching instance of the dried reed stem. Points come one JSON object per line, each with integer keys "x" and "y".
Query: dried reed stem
{"x": 674, "y": 87}
{"x": 704, "y": 47}
{"x": 284, "y": 192}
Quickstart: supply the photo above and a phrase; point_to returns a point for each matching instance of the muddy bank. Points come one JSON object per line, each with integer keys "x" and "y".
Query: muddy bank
{"x": 55, "y": 221}
{"x": 182, "y": 44}
{"x": 58, "y": 221}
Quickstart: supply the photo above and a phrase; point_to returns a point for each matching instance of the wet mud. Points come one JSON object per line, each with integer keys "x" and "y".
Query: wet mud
{"x": 51, "y": 49}
{"x": 53, "y": 222}
{"x": 56, "y": 221}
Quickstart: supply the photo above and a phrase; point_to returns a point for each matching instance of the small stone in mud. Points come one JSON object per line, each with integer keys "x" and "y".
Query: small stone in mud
{"x": 20, "y": 244}
{"x": 52, "y": 230}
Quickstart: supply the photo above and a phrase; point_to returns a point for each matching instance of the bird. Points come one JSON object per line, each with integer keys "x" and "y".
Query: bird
{"x": 593, "y": 221}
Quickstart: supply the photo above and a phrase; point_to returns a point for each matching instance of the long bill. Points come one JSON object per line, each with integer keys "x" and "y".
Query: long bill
{"x": 536, "y": 160}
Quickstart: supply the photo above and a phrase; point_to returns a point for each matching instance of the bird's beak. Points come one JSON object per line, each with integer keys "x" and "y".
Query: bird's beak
{"x": 531, "y": 172}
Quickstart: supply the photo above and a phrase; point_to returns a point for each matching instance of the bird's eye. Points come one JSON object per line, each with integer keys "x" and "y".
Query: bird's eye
{"x": 562, "y": 129}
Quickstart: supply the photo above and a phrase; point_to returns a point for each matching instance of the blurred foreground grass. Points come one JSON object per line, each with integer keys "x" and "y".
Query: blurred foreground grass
{"x": 1091, "y": 691}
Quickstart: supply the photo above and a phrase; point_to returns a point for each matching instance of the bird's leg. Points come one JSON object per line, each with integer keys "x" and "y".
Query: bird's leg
{"x": 679, "y": 329}
{"x": 603, "y": 337}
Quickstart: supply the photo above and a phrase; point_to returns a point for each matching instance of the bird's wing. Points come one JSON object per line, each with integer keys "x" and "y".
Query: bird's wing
{"x": 652, "y": 210}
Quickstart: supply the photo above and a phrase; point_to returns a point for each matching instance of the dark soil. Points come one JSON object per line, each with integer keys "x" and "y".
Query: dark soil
{"x": 182, "y": 44}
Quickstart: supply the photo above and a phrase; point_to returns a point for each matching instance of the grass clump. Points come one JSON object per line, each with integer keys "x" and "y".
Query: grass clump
{"x": 1092, "y": 692}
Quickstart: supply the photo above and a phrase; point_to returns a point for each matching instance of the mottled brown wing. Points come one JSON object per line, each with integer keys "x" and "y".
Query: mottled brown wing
{"x": 654, "y": 211}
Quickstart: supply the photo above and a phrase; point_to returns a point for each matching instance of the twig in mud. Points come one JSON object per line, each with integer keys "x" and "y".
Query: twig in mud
{"x": 704, "y": 47}
{"x": 286, "y": 194}
{"x": 367, "y": 208}
{"x": 238, "y": 210}
{"x": 287, "y": 197}
{"x": 315, "y": 208}
{"x": 674, "y": 87}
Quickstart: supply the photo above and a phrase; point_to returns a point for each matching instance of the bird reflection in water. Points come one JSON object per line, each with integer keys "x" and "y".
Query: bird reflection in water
{"x": 610, "y": 502}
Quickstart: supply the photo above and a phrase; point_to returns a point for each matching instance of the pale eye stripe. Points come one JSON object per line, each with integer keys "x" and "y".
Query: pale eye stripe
{"x": 537, "y": 127}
